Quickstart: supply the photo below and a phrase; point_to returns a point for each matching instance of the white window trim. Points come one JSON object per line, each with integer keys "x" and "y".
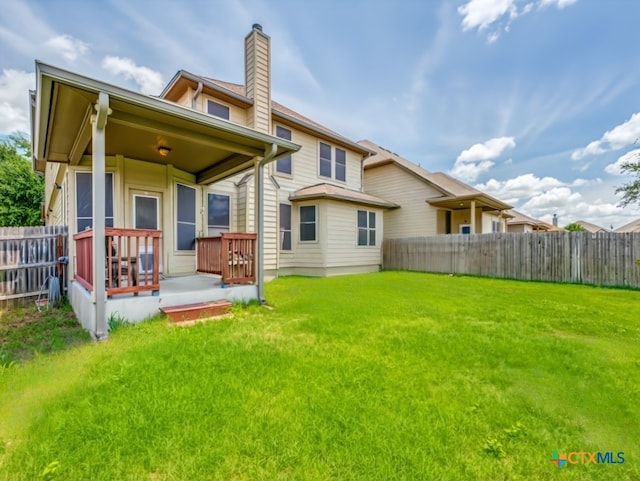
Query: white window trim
{"x": 464, "y": 225}
{"x": 316, "y": 240}
{"x": 368, "y": 229}
{"x": 275, "y": 164}
{"x": 207, "y": 210}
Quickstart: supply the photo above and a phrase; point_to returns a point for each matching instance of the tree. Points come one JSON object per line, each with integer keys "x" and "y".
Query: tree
{"x": 21, "y": 189}
{"x": 631, "y": 191}
{"x": 574, "y": 227}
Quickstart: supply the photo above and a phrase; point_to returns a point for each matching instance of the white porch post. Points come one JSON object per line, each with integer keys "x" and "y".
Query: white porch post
{"x": 99, "y": 122}
{"x": 473, "y": 216}
{"x": 259, "y": 224}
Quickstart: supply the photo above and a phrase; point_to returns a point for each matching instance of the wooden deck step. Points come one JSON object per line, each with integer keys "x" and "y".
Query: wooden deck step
{"x": 198, "y": 310}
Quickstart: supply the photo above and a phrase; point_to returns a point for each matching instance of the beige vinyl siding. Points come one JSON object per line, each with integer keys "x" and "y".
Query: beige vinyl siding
{"x": 270, "y": 225}
{"x": 415, "y": 217}
{"x": 519, "y": 228}
{"x": 342, "y": 236}
{"x": 305, "y": 170}
{"x": 258, "y": 84}
{"x": 309, "y": 254}
{"x": 236, "y": 114}
{"x": 187, "y": 96}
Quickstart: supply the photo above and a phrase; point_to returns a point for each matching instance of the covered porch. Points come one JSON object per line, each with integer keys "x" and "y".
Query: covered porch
{"x": 161, "y": 155}
{"x": 465, "y": 214}
{"x": 133, "y": 284}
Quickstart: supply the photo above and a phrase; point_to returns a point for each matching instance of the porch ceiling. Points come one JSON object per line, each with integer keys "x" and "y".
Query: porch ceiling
{"x": 208, "y": 147}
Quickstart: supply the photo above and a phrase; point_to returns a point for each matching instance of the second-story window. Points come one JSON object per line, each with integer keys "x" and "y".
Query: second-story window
{"x": 219, "y": 110}
{"x": 283, "y": 165}
{"x": 325, "y": 160}
{"x": 333, "y": 164}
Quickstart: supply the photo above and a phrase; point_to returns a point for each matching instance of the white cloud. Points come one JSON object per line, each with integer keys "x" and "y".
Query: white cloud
{"x": 14, "y": 100}
{"x": 478, "y": 158}
{"x": 149, "y": 81}
{"x": 558, "y": 3}
{"x": 542, "y": 197}
{"x": 491, "y": 149}
{"x": 620, "y": 136}
{"x": 68, "y": 47}
{"x": 482, "y": 13}
{"x": 470, "y": 171}
{"x": 615, "y": 168}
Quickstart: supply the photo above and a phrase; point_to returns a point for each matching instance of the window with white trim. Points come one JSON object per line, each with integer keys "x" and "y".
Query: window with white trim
{"x": 366, "y": 228}
{"x": 283, "y": 165}
{"x": 332, "y": 162}
{"x": 218, "y": 110}
{"x": 185, "y": 218}
{"x": 285, "y": 227}
{"x": 218, "y": 214}
{"x": 84, "y": 200}
{"x": 308, "y": 223}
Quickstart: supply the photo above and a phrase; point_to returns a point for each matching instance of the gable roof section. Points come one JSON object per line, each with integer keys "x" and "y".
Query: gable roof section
{"x": 203, "y": 145}
{"x": 633, "y": 226}
{"x": 589, "y": 227}
{"x": 522, "y": 219}
{"x": 455, "y": 194}
{"x": 334, "y": 192}
{"x": 236, "y": 94}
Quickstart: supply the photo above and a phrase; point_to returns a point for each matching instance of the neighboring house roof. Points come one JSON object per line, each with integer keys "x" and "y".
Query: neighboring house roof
{"x": 328, "y": 191}
{"x": 522, "y": 219}
{"x": 206, "y": 146}
{"x": 455, "y": 194}
{"x": 633, "y": 226}
{"x": 588, "y": 226}
{"x": 236, "y": 94}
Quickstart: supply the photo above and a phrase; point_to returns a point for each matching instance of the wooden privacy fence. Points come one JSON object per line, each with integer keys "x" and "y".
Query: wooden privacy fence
{"x": 607, "y": 259}
{"x": 28, "y": 256}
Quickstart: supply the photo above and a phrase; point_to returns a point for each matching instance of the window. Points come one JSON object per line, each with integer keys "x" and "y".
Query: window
{"x": 465, "y": 228}
{"x": 285, "y": 227}
{"x": 186, "y": 218}
{"x": 366, "y": 228}
{"x": 84, "y": 200}
{"x": 218, "y": 214}
{"x": 219, "y": 110}
{"x": 339, "y": 170}
{"x": 341, "y": 165}
{"x": 283, "y": 165}
{"x": 307, "y": 223}
{"x": 495, "y": 226}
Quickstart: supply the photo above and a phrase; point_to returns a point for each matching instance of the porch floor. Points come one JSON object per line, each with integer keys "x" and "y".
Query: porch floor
{"x": 174, "y": 291}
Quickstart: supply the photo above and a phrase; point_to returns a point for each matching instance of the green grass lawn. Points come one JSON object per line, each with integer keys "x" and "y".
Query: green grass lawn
{"x": 383, "y": 376}
{"x": 26, "y": 332}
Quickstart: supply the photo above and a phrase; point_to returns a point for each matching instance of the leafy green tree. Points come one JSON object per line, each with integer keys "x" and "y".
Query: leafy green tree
{"x": 631, "y": 191}
{"x": 574, "y": 227}
{"x": 21, "y": 189}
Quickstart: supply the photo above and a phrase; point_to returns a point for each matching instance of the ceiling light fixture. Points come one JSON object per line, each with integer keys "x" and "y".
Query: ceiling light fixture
{"x": 163, "y": 150}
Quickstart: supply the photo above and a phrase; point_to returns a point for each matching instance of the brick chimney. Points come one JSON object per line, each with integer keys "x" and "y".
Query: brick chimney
{"x": 257, "y": 72}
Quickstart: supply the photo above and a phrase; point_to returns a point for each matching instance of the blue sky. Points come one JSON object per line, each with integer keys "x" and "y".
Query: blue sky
{"x": 532, "y": 101}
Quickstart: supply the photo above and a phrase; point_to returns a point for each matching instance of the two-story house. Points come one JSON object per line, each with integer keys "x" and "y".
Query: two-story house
{"x": 317, "y": 219}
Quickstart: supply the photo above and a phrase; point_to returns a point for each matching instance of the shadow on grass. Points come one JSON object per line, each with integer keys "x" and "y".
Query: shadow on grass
{"x": 26, "y": 333}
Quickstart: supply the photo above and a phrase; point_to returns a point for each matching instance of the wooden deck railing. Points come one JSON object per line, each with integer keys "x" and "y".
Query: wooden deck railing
{"x": 132, "y": 260}
{"x": 230, "y": 255}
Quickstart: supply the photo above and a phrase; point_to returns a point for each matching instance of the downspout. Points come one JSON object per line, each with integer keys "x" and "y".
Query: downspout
{"x": 196, "y": 95}
{"x": 259, "y": 201}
